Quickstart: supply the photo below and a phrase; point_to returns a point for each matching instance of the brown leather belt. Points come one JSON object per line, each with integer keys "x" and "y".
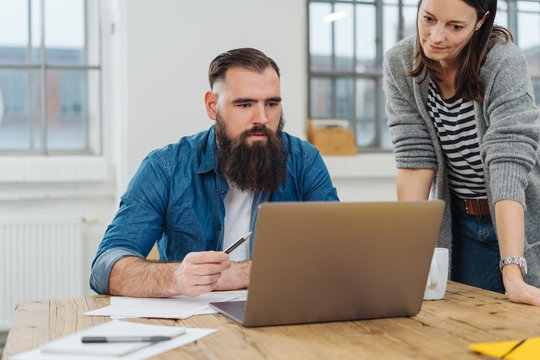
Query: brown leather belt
{"x": 476, "y": 207}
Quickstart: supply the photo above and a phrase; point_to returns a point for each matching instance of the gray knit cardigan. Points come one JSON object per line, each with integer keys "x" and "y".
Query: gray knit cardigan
{"x": 508, "y": 125}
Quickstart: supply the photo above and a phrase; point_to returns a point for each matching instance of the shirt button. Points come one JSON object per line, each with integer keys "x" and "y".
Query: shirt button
{"x": 222, "y": 191}
{"x": 219, "y": 227}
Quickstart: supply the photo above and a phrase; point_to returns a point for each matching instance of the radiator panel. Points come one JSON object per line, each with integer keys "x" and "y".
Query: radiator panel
{"x": 40, "y": 257}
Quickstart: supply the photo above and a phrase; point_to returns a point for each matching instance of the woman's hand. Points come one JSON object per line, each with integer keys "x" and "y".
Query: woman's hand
{"x": 510, "y": 222}
{"x": 517, "y": 289}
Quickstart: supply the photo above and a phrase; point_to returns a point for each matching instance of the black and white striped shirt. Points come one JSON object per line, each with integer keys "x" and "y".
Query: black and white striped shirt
{"x": 455, "y": 122}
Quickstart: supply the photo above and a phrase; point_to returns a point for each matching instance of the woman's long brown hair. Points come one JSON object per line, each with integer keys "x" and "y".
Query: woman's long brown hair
{"x": 473, "y": 55}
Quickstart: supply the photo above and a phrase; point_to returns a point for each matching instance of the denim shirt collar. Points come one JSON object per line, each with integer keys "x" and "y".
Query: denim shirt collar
{"x": 209, "y": 158}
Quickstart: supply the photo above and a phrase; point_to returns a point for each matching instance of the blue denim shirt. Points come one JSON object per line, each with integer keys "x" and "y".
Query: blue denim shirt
{"x": 177, "y": 199}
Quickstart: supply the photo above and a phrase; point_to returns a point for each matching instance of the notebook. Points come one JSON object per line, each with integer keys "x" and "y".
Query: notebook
{"x": 71, "y": 344}
{"x": 330, "y": 261}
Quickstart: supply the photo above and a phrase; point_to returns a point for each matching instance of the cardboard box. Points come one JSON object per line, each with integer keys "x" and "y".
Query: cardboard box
{"x": 332, "y": 137}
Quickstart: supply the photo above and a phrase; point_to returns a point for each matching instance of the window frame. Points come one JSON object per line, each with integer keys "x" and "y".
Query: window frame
{"x": 43, "y": 68}
{"x": 333, "y": 75}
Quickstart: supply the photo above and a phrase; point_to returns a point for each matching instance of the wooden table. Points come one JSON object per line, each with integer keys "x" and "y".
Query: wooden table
{"x": 442, "y": 330}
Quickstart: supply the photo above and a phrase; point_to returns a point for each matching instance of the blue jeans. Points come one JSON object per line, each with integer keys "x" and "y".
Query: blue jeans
{"x": 475, "y": 251}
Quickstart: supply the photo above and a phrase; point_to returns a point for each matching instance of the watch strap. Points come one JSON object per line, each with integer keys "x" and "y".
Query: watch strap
{"x": 518, "y": 260}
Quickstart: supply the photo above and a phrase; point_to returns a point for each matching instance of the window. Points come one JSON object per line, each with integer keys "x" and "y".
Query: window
{"x": 50, "y": 77}
{"x": 347, "y": 41}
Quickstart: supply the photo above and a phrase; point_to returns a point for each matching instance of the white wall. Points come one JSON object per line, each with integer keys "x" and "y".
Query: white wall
{"x": 155, "y": 77}
{"x": 169, "y": 46}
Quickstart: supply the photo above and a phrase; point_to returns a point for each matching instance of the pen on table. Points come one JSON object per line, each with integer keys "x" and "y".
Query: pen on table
{"x": 237, "y": 243}
{"x": 115, "y": 339}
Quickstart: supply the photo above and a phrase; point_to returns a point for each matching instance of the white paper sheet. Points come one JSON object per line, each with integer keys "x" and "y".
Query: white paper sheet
{"x": 73, "y": 345}
{"x": 177, "y": 307}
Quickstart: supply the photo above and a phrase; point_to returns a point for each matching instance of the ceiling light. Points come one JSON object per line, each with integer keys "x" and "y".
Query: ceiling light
{"x": 334, "y": 16}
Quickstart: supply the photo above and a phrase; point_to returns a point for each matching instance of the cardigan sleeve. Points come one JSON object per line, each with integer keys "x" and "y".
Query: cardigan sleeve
{"x": 510, "y": 144}
{"x": 413, "y": 146}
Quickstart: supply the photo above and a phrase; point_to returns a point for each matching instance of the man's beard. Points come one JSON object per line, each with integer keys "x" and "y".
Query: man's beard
{"x": 260, "y": 166}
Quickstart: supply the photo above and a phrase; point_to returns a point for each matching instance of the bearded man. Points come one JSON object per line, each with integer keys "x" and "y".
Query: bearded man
{"x": 198, "y": 196}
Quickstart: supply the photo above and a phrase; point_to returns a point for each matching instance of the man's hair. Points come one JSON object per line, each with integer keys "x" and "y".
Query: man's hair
{"x": 247, "y": 58}
{"x": 467, "y": 82}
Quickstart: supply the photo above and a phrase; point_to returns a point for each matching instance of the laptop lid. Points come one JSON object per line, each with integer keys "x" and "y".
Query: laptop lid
{"x": 330, "y": 261}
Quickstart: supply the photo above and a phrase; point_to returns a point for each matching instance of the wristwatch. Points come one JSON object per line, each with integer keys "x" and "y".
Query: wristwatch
{"x": 518, "y": 260}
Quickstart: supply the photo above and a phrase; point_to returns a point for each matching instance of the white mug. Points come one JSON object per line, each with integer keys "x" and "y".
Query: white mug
{"x": 438, "y": 275}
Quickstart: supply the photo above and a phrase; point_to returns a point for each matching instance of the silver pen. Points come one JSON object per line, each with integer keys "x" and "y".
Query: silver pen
{"x": 115, "y": 339}
{"x": 237, "y": 243}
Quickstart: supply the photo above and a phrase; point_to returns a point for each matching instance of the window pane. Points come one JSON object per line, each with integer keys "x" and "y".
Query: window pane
{"x": 409, "y": 19}
{"x": 501, "y": 18}
{"x": 344, "y": 100}
{"x": 65, "y": 31}
{"x": 528, "y": 6}
{"x": 365, "y": 112}
{"x": 36, "y": 31}
{"x": 529, "y": 39}
{"x": 13, "y": 42}
{"x": 20, "y": 123}
{"x": 365, "y": 38}
{"x": 322, "y": 98}
{"x": 320, "y": 37}
{"x": 391, "y": 26}
{"x": 72, "y": 98}
{"x": 93, "y": 32}
{"x": 344, "y": 39}
{"x": 70, "y": 95}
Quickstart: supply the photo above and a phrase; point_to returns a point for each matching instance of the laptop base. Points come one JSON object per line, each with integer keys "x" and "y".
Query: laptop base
{"x": 235, "y": 310}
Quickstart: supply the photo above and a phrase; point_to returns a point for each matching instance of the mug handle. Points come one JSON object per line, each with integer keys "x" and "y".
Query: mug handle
{"x": 433, "y": 279}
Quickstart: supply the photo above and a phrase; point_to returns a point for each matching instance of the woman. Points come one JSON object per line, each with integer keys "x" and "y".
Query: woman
{"x": 462, "y": 118}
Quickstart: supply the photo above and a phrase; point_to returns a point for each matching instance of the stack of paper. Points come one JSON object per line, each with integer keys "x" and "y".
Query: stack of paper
{"x": 177, "y": 307}
{"x": 71, "y": 346}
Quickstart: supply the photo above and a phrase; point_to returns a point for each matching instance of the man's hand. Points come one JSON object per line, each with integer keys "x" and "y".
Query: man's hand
{"x": 200, "y": 271}
{"x": 197, "y": 274}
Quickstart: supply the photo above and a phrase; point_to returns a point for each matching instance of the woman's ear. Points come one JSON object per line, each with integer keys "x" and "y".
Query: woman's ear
{"x": 482, "y": 21}
{"x": 210, "y": 101}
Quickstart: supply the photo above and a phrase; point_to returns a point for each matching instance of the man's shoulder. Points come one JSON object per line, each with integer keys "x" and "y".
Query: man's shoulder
{"x": 297, "y": 146}
{"x": 182, "y": 150}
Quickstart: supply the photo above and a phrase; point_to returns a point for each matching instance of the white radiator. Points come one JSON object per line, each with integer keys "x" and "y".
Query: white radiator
{"x": 40, "y": 257}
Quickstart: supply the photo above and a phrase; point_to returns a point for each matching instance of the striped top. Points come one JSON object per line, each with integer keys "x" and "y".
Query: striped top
{"x": 455, "y": 122}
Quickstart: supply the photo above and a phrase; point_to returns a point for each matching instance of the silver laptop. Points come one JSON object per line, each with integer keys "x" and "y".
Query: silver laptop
{"x": 330, "y": 261}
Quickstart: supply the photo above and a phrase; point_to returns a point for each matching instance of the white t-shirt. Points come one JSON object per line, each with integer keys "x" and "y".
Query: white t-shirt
{"x": 237, "y": 216}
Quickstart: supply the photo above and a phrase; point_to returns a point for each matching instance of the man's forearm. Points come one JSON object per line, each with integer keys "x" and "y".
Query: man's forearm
{"x": 132, "y": 276}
